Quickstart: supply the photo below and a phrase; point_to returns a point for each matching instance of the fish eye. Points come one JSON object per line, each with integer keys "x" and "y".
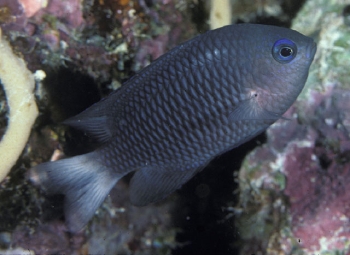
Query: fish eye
{"x": 284, "y": 51}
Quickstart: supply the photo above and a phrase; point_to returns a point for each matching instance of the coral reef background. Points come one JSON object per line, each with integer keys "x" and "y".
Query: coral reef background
{"x": 287, "y": 196}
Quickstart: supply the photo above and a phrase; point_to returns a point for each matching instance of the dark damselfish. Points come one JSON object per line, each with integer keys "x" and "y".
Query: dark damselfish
{"x": 166, "y": 123}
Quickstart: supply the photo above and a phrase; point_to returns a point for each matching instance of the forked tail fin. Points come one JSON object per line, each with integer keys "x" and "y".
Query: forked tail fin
{"x": 83, "y": 180}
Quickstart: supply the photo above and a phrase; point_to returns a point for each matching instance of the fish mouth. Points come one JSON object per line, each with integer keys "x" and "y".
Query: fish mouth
{"x": 311, "y": 50}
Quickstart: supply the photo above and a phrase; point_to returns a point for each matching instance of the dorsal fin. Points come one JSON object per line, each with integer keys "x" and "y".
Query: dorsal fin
{"x": 97, "y": 120}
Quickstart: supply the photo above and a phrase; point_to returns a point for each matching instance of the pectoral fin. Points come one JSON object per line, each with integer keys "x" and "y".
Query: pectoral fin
{"x": 250, "y": 110}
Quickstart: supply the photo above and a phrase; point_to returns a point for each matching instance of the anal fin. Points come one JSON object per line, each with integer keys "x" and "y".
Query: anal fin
{"x": 153, "y": 183}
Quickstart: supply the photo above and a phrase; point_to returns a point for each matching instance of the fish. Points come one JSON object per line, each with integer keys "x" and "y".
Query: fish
{"x": 167, "y": 122}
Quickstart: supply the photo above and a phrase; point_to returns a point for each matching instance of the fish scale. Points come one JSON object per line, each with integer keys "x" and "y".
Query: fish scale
{"x": 202, "y": 98}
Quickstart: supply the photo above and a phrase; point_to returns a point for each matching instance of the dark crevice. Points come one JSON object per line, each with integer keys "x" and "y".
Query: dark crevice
{"x": 324, "y": 161}
{"x": 200, "y": 212}
{"x": 3, "y": 111}
{"x": 69, "y": 92}
{"x": 200, "y": 15}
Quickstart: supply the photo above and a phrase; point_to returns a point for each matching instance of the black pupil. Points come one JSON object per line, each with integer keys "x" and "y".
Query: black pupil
{"x": 286, "y": 52}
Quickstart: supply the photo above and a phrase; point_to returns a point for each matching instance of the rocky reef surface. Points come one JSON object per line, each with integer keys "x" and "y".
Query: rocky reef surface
{"x": 287, "y": 196}
{"x": 294, "y": 190}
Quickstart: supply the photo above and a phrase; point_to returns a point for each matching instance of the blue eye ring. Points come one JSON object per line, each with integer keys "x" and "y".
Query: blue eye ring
{"x": 284, "y": 51}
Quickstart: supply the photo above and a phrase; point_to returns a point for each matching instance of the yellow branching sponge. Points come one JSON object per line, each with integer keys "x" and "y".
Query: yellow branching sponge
{"x": 18, "y": 83}
{"x": 220, "y": 13}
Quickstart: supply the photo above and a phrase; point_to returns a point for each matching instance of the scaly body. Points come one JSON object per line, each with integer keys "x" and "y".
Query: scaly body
{"x": 167, "y": 122}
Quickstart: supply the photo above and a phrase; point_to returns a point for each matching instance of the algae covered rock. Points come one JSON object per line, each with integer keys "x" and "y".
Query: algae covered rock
{"x": 294, "y": 190}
